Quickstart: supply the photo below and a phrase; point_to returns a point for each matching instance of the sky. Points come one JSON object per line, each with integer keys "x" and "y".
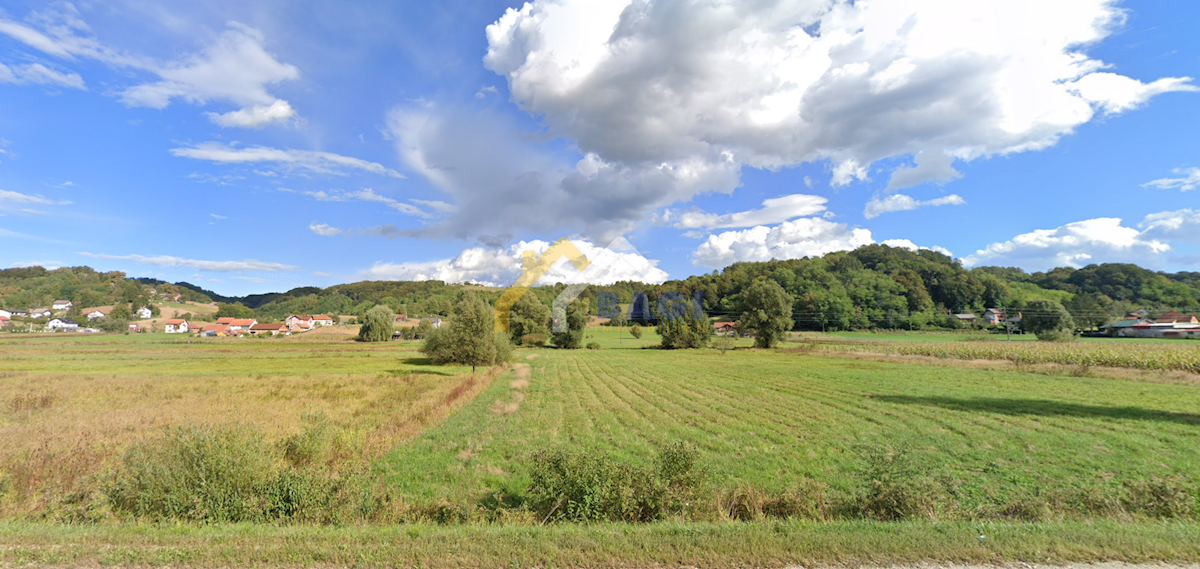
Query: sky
{"x": 249, "y": 147}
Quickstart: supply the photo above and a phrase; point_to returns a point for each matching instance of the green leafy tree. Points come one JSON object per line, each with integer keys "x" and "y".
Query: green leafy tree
{"x": 470, "y": 338}
{"x": 766, "y": 312}
{"x": 1048, "y": 319}
{"x": 636, "y": 331}
{"x": 528, "y": 316}
{"x": 377, "y": 325}
{"x": 234, "y": 310}
{"x": 685, "y": 332}
{"x": 577, "y": 318}
{"x": 120, "y": 312}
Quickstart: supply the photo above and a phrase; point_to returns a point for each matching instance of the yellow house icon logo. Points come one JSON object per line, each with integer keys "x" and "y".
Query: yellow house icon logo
{"x": 532, "y": 269}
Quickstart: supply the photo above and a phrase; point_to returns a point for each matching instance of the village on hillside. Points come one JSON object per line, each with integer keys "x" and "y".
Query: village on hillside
{"x": 174, "y": 316}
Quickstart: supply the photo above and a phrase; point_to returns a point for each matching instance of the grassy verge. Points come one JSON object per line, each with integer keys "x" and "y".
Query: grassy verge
{"x": 666, "y": 544}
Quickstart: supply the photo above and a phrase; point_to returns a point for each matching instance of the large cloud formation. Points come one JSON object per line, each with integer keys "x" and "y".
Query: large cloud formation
{"x": 1100, "y": 240}
{"x": 770, "y": 84}
{"x": 501, "y": 266}
{"x": 667, "y": 99}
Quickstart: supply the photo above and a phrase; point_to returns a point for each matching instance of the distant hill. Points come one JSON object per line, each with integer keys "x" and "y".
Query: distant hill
{"x": 872, "y": 286}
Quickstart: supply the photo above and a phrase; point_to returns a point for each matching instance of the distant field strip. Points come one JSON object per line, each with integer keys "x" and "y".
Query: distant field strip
{"x": 1182, "y": 355}
{"x": 768, "y": 418}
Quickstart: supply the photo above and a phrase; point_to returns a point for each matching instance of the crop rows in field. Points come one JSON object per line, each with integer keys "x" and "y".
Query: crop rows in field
{"x": 1184, "y": 356}
{"x": 768, "y": 419}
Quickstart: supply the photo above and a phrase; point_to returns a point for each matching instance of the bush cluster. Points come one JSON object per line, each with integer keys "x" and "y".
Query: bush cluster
{"x": 588, "y": 485}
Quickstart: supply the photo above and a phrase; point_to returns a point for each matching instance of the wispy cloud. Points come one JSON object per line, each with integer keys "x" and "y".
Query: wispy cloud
{"x": 218, "y": 266}
{"x": 367, "y": 195}
{"x": 901, "y": 202}
{"x": 323, "y": 229}
{"x": 774, "y": 210}
{"x": 17, "y": 197}
{"x": 288, "y": 159}
{"x": 1188, "y": 179}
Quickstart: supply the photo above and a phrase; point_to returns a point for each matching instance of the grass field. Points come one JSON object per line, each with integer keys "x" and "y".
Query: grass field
{"x": 71, "y": 404}
{"x": 769, "y": 418}
{"x": 1089, "y": 458}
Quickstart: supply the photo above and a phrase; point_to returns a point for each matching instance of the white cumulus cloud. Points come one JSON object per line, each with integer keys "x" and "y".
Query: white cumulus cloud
{"x": 804, "y": 237}
{"x": 900, "y": 202}
{"x": 502, "y": 266}
{"x": 772, "y": 84}
{"x": 1100, "y": 240}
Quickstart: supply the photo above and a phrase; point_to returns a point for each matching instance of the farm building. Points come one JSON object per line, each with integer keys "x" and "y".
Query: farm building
{"x": 176, "y": 326}
{"x": 62, "y": 305}
{"x": 218, "y": 330}
{"x": 322, "y": 320}
{"x": 435, "y": 321}
{"x": 97, "y": 313}
{"x": 40, "y": 313}
{"x": 62, "y": 324}
{"x": 299, "y": 322}
{"x": 144, "y": 313}
{"x": 272, "y": 329}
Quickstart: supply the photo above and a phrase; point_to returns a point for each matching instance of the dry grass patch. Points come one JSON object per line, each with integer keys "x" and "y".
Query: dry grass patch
{"x": 62, "y": 427}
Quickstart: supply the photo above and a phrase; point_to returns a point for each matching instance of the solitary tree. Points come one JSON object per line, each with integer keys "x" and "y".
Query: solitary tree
{"x": 1048, "y": 319}
{"x": 636, "y": 331}
{"x": 377, "y": 325}
{"x": 766, "y": 312}
{"x": 470, "y": 338}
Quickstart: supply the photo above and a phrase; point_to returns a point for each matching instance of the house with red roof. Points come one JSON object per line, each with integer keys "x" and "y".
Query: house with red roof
{"x": 176, "y": 326}
{"x": 299, "y": 322}
{"x": 272, "y": 329}
{"x": 322, "y": 320}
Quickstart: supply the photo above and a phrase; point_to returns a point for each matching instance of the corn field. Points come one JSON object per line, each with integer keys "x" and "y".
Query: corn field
{"x": 1184, "y": 356}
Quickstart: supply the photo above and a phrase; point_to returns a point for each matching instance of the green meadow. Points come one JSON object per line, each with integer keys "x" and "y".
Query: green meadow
{"x": 901, "y": 460}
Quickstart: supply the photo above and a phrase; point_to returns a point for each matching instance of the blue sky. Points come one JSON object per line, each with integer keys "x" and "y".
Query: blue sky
{"x": 253, "y": 147}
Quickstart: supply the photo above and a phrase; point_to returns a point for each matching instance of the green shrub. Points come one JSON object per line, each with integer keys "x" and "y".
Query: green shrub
{"x": 896, "y": 488}
{"x": 585, "y": 486}
{"x": 636, "y": 331}
{"x": 593, "y": 345}
{"x": 195, "y": 473}
{"x": 311, "y": 443}
{"x": 1056, "y": 336}
{"x": 804, "y": 500}
{"x": 231, "y": 474}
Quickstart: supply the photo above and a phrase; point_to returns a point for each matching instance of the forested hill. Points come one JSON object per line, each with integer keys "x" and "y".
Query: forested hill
{"x": 873, "y": 286}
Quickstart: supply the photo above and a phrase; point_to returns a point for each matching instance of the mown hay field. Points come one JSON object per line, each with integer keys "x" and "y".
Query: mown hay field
{"x": 989, "y": 443}
{"x": 957, "y": 443}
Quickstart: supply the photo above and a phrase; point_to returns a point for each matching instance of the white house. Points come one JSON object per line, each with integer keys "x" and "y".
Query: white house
{"x": 176, "y": 326}
{"x": 322, "y": 320}
{"x": 298, "y": 322}
{"x": 62, "y": 305}
{"x": 435, "y": 321}
{"x": 5, "y": 313}
{"x": 144, "y": 313}
{"x": 40, "y": 313}
{"x": 62, "y": 324}
{"x": 96, "y": 314}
